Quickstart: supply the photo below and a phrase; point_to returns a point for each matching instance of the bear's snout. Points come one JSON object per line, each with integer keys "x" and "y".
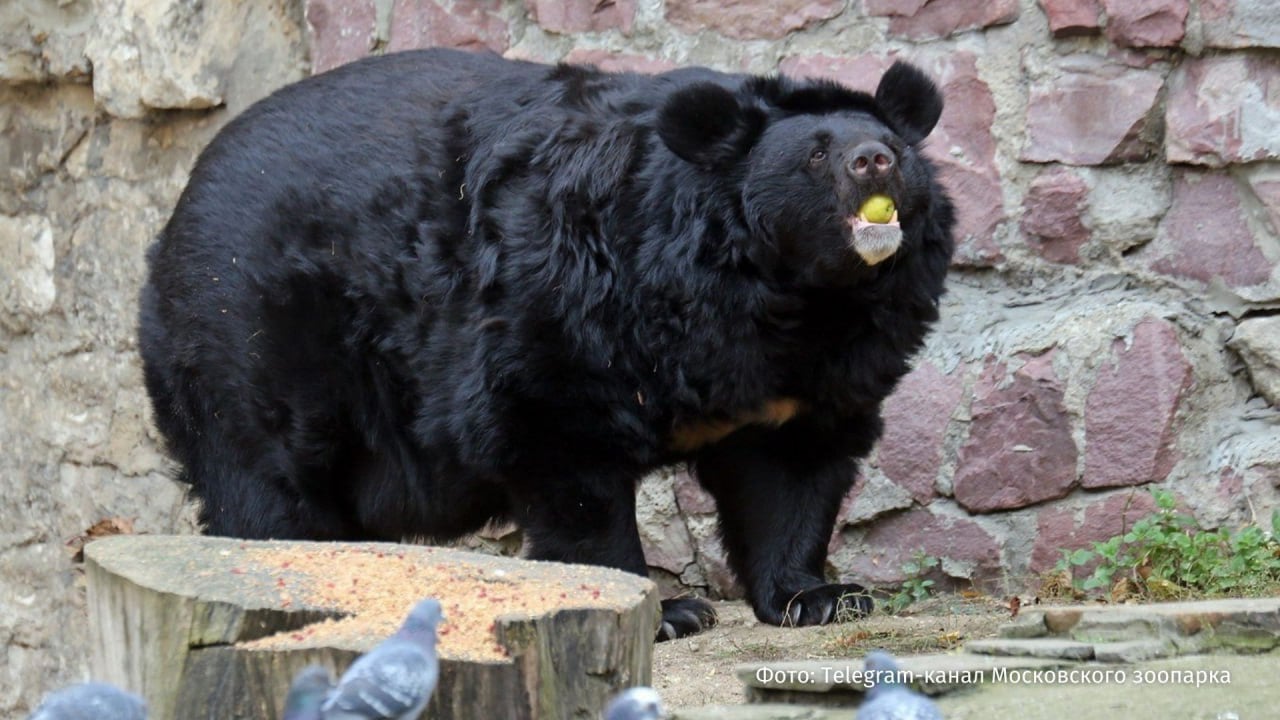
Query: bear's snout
{"x": 870, "y": 160}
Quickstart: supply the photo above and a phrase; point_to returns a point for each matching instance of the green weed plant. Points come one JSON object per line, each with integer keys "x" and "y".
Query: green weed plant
{"x": 1166, "y": 556}
{"x": 916, "y": 587}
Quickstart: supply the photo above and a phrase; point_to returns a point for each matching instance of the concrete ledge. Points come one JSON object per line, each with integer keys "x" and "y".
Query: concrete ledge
{"x": 1236, "y": 624}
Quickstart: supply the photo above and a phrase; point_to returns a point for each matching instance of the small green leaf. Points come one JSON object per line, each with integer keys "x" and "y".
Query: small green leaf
{"x": 1080, "y": 557}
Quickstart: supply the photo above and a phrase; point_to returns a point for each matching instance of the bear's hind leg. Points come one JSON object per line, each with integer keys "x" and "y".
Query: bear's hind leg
{"x": 244, "y": 495}
{"x": 576, "y": 516}
{"x": 593, "y": 521}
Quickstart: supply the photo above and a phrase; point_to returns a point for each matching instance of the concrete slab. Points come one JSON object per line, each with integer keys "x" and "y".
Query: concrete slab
{"x": 841, "y": 682}
{"x": 1205, "y": 687}
{"x": 1131, "y": 651}
{"x": 1237, "y": 624}
{"x": 1035, "y": 647}
{"x": 1044, "y": 668}
{"x": 760, "y": 712}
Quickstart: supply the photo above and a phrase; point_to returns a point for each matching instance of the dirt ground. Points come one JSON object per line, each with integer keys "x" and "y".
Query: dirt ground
{"x": 699, "y": 670}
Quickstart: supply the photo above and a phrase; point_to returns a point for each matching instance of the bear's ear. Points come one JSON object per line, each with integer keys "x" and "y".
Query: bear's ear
{"x": 704, "y": 124}
{"x": 911, "y": 100}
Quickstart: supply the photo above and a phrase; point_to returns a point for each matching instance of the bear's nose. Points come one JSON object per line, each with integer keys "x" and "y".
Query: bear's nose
{"x": 871, "y": 160}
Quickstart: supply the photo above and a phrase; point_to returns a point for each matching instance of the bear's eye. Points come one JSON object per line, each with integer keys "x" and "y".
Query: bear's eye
{"x": 817, "y": 157}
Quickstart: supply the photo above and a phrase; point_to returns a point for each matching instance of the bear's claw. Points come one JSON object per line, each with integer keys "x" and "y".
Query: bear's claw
{"x": 685, "y": 616}
{"x": 825, "y": 604}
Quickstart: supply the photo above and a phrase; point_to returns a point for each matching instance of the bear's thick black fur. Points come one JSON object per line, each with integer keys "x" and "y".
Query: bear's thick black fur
{"x": 432, "y": 289}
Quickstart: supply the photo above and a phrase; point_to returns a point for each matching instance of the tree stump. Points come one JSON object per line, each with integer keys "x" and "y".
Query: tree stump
{"x": 216, "y": 628}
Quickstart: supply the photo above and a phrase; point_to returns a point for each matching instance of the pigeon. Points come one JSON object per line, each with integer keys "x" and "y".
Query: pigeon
{"x": 394, "y": 680}
{"x": 638, "y": 703}
{"x": 91, "y": 701}
{"x": 889, "y": 699}
{"x": 308, "y": 691}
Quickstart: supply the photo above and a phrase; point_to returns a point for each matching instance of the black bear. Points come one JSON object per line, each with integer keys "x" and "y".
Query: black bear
{"x": 433, "y": 289}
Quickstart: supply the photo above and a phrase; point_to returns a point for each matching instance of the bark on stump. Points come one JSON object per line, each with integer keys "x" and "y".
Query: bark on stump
{"x": 176, "y": 618}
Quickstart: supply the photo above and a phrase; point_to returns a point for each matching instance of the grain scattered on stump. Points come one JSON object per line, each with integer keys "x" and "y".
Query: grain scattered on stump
{"x": 375, "y": 589}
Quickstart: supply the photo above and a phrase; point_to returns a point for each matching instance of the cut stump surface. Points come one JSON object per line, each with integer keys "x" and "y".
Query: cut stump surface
{"x": 216, "y": 628}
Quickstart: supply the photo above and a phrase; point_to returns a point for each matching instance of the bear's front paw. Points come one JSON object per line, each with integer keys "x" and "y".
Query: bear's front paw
{"x": 818, "y": 606}
{"x": 685, "y": 616}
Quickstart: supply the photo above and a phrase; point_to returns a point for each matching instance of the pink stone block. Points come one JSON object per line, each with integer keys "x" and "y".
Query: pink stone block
{"x": 895, "y": 540}
{"x": 1205, "y": 236}
{"x": 341, "y": 31}
{"x": 871, "y": 496}
{"x": 577, "y": 16}
{"x": 1052, "y": 212}
{"x": 885, "y": 8}
{"x": 691, "y": 497}
{"x": 1224, "y": 109}
{"x": 1146, "y": 23}
{"x": 668, "y": 546}
{"x": 750, "y": 19}
{"x": 714, "y": 560}
{"x": 1068, "y": 18}
{"x": 936, "y": 19}
{"x": 1020, "y": 450}
{"x": 1093, "y": 112}
{"x": 466, "y": 24}
{"x": 916, "y": 416}
{"x": 619, "y": 62}
{"x": 1075, "y": 526}
{"x": 1131, "y": 411}
{"x": 860, "y": 72}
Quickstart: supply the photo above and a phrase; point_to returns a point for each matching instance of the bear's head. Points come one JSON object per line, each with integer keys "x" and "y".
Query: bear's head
{"x": 805, "y": 157}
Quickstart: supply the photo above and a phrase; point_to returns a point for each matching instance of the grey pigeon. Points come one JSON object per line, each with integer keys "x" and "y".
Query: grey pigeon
{"x": 308, "y": 691}
{"x": 91, "y": 701}
{"x": 394, "y": 680}
{"x": 637, "y": 703}
{"x": 889, "y": 699}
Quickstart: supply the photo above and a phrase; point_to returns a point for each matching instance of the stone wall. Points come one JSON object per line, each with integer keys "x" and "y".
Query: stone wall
{"x": 103, "y": 106}
{"x": 1111, "y": 323}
